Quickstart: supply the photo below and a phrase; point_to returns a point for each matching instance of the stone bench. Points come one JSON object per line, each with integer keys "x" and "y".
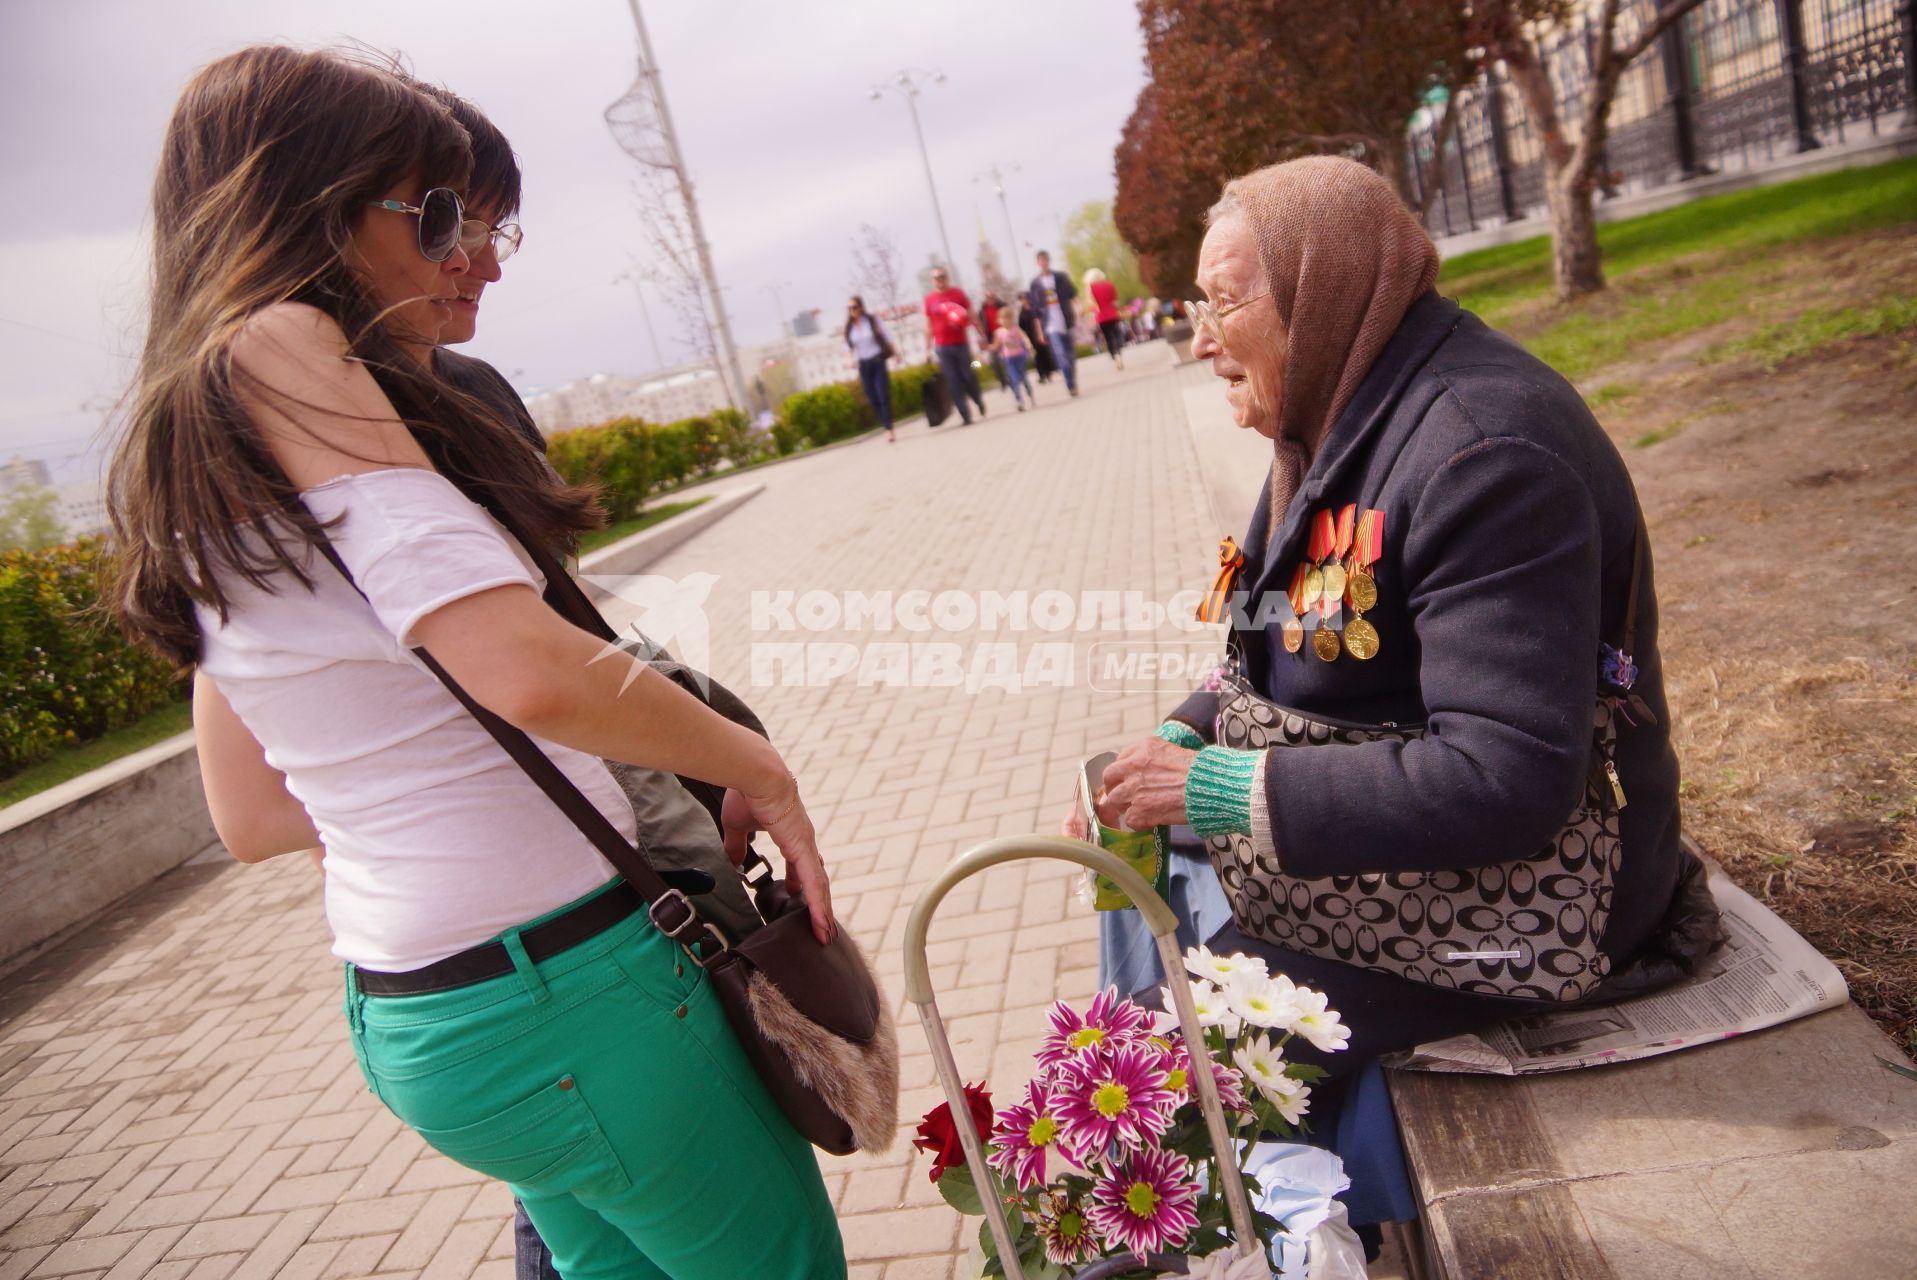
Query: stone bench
{"x": 1788, "y": 1152}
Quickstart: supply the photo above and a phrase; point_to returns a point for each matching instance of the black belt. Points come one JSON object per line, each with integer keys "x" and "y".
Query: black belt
{"x": 491, "y": 959}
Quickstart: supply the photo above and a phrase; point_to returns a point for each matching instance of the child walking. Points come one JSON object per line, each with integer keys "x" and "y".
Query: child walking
{"x": 1010, "y": 344}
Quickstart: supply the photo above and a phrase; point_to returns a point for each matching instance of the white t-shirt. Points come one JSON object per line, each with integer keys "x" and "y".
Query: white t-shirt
{"x": 435, "y": 840}
{"x": 865, "y": 339}
{"x": 1054, "y": 312}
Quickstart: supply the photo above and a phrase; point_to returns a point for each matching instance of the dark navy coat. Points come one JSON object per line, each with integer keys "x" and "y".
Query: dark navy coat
{"x": 1510, "y": 524}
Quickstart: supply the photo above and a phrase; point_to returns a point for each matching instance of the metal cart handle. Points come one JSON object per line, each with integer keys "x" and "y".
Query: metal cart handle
{"x": 1164, "y": 927}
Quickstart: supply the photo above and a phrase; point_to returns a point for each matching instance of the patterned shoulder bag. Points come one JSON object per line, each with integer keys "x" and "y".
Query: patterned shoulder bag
{"x": 1527, "y": 929}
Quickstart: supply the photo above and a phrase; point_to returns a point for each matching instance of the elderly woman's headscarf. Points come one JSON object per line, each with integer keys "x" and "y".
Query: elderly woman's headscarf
{"x": 1344, "y": 259}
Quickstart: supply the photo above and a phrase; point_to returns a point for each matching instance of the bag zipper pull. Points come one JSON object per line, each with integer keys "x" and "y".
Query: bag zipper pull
{"x": 1617, "y": 788}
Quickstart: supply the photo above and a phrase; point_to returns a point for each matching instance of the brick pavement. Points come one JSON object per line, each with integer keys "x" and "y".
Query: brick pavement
{"x": 177, "y": 1097}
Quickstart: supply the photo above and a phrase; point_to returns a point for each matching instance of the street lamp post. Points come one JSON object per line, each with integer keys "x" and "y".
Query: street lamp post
{"x": 907, "y": 83}
{"x": 729, "y": 373}
{"x": 998, "y": 187}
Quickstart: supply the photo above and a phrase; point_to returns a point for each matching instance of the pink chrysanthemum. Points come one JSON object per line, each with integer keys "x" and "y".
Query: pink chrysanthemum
{"x": 1148, "y": 1204}
{"x": 1024, "y": 1133}
{"x": 1231, "y": 1085}
{"x": 1114, "y": 1100}
{"x": 1067, "y": 1233}
{"x": 1110, "y": 1020}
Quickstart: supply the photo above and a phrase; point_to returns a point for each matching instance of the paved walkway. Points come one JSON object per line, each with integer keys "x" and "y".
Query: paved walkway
{"x": 177, "y": 1098}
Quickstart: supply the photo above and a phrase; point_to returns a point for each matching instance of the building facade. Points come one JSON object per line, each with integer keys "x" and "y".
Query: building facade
{"x": 681, "y": 393}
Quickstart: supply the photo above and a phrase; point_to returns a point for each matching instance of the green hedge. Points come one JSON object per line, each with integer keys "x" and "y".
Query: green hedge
{"x": 67, "y": 675}
{"x": 631, "y": 459}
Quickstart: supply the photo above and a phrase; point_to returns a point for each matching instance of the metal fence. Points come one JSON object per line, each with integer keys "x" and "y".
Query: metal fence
{"x": 1736, "y": 84}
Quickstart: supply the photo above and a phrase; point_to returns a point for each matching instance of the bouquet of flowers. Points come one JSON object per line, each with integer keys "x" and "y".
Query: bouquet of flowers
{"x": 1106, "y": 1152}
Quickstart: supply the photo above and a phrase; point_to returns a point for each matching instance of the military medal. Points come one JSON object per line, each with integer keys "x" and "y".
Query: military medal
{"x": 1361, "y": 639}
{"x": 1361, "y": 589}
{"x": 1294, "y": 630}
{"x": 1325, "y": 643}
{"x": 1324, "y": 534}
{"x": 1341, "y": 542}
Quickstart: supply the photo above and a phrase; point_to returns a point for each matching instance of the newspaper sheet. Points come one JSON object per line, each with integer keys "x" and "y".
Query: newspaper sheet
{"x": 1760, "y": 975}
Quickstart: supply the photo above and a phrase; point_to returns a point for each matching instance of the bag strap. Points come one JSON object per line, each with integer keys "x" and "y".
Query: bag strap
{"x": 671, "y": 911}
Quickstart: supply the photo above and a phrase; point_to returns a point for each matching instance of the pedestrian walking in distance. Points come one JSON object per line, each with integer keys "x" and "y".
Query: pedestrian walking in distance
{"x": 872, "y": 347}
{"x": 1105, "y": 300}
{"x": 1050, "y": 298}
{"x": 1010, "y": 346}
{"x": 948, "y": 313}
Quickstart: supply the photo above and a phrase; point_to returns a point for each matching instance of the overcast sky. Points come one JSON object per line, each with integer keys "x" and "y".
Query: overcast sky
{"x": 771, "y": 98}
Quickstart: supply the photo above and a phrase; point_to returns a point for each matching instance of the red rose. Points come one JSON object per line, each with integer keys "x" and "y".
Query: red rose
{"x": 938, "y": 1132}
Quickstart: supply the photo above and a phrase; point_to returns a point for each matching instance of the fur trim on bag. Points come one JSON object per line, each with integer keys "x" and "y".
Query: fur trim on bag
{"x": 860, "y": 1082}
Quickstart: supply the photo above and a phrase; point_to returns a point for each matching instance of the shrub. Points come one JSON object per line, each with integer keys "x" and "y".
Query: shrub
{"x": 617, "y": 456}
{"x": 785, "y": 438}
{"x": 828, "y": 413}
{"x": 908, "y": 388}
{"x": 736, "y": 440}
{"x": 67, "y": 675}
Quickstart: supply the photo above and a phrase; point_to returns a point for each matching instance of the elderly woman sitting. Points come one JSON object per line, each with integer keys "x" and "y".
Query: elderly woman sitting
{"x": 1435, "y": 779}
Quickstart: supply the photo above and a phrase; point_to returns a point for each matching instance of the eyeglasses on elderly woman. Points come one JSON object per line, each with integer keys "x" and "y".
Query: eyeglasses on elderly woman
{"x": 1212, "y": 319}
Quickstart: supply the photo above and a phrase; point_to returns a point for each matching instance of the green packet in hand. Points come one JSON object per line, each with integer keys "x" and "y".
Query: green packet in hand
{"x": 1144, "y": 850}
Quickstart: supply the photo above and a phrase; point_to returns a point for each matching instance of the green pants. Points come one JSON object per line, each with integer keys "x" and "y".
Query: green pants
{"x": 606, "y": 1088}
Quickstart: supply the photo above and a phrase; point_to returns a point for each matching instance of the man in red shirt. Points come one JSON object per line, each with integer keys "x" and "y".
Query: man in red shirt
{"x": 948, "y": 312}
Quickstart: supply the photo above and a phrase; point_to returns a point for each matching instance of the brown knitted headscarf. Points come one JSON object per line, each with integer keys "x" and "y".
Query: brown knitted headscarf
{"x": 1344, "y": 259}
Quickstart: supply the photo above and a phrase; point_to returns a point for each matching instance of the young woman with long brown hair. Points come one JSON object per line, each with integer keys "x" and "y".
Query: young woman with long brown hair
{"x": 307, "y": 245}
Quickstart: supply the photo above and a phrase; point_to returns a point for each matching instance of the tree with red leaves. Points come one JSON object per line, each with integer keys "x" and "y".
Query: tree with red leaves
{"x": 1239, "y": 84}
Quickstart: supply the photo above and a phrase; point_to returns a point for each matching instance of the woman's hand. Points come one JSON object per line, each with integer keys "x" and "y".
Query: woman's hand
{"x": 1145, "y": 786}
{"x": 781, "y": 815}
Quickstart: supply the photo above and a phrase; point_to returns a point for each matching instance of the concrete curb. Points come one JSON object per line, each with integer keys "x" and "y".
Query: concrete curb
{"x": 73, "y": 850}
{"x": 630, "y": 555}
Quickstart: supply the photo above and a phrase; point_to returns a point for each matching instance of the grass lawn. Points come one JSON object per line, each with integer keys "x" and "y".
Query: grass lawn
{"x": 74, "y": 761}
{"x": 1688, "y": 269}
{"x": 644, "y": 520}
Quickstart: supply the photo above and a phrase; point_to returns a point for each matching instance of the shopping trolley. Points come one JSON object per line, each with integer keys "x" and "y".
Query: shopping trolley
{"x": 1164, "y": 926}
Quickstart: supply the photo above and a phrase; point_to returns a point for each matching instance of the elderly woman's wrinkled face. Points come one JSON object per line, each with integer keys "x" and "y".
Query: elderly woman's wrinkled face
{"x": 1251, "y": 358}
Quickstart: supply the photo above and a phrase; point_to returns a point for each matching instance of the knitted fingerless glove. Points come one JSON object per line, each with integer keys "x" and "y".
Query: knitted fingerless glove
{"x": 1218, "y": 791}
{"x": 1179, "y": 735}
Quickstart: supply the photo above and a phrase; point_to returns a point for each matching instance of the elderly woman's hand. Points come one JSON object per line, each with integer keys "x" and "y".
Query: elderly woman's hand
{"x": 1145, "y": 786}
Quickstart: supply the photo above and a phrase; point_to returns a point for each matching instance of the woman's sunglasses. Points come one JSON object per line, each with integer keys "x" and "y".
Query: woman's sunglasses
{"x": 442, "y": 222}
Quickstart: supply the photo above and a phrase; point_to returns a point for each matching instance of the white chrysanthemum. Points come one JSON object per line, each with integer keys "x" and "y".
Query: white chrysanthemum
{"x": 1264, "y": 1001}
{"x": 1260, "y": 1062}
{"x": 1214, "y": 1009}
{"x": 1291, "y": 1097}
{"x": 1318, "y": 1023}
{"x": 1203, "y": 962}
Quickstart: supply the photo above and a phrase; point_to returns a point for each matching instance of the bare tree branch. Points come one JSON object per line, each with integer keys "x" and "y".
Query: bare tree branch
{"x": 876, "y": 265}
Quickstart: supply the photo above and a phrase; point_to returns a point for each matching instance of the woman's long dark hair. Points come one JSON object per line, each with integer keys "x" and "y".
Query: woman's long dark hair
{"x": 863, "y": 315}
{"x": 268, "y": 162}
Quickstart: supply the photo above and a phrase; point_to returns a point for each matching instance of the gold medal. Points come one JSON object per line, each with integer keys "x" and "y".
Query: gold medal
{"x": 1361, "y": 638}
{"x": 1294, "y": 635}
{"x": 1363, "y": 589}
{"x": 1334, "y": 581}
{"x": 1314, "y": 587}
{"x": 1324, "y": 642}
